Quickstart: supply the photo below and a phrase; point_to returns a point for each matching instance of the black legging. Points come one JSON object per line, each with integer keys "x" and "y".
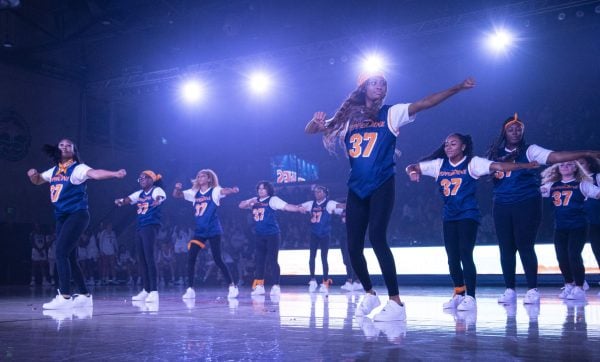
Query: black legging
{"x": 267, "y": 251}
{"x": 145, "y": 238}
{"x": 215, "y": 249}
{"x": 373, "y": 212}
{"x": 569, "y": 245}
{"x": 350, "y": 274}
{"x": 594, "y": 236}
{"x": 516, "y": 227}
{"x": 459, "y": 240}
{"x": 317, "y": 242}
{"x": 69, "y": 229}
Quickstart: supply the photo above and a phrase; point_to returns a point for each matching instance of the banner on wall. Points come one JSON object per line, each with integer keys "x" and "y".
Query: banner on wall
{"x": 289, "y": 168}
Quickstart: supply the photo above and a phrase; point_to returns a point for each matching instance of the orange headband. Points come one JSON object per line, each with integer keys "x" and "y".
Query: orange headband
{"x": 366, "y": 75}
{"x": 514, "y": 121}
{"x": 152, "y": 175}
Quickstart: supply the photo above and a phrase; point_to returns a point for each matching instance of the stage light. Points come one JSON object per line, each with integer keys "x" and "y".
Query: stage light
{"x": 259, "y": 82}
{"x": 192, "y": 91}
{"x": 499, "y": 41}
{"x": 373, "y": 63}
{"x": 562, "y": 16}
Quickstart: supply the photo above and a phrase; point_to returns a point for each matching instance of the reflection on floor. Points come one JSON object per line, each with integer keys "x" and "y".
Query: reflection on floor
{"x": 295, "y": 326}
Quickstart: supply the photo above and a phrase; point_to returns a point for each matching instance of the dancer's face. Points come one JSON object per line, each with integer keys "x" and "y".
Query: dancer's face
{"x": 454, "y": 148}
{"x": 145, "y": 181}
{"x": 202, "y": 179}
{"x": 514, "y": 134}
{"x": 67, "y": 149}
{"x": 567, "y": 169}
{"x": 376, "y": 88}
{"x": 262, "y": 191}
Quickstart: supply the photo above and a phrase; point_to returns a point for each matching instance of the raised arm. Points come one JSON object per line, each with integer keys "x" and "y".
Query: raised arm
{"x": 414, "y": 172}
{"x": 316, "y": 124}
{"x": 229, "y": 190}
{"x": 99, "y": 174}
{"x": 35, "y": 177}
{"x": 177, "y": 193}
{"x": 512, "y": 166}
{"x": 565, "y": 156}
{"x": 437, "y": 98}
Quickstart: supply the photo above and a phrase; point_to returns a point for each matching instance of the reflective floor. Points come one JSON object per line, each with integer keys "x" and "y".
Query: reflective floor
{"x": 297, "y": 326}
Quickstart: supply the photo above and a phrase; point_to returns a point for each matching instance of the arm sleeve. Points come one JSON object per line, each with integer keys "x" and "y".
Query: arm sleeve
{"x": 545, "y": 189}
{"x": 331, "y": 207}
{"x": 79, "y": 174}
{"x": 134, "y": 197}
{"x": 589, "y": 190}
{"x": 216, "y": 195}
{"x": 276, "y": 203}
{"x": 189, "y": 195}
{"x": 431, "y": 168}
{"x": 159, "y": 192}
{"x": 538, "y": 154}
{"x": 47, "y": 175}
{"x": 307, "y": 205}
{"x": 398, "y": 117}
{"x": 479, "y": 166}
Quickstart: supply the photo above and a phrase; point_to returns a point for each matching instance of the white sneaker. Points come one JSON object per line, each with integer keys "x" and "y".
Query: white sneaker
{"x": 468, "y": 303}
{"x": 356, "y": 286}
{"x": 347, "y": 287}
{"x": 141, "y": 296}
{"x": 312, "y": 286}
{"x": 190, "y": 293}
{"x": 152, "y": 297}
{"x": 233, "y": 292}
{"x": 366, "y": 305}
{"x": 509, "y": 297}
{"x": 576, "y": 294}
{"x": 391, "y": 312}
{"x": 531, "y": 297}
{"x": 59, "y": 303}
{"x": 275, "y": 290}
{"x": 258, "y": 290}
{"x": 454, "y": 301}
{"x": 565, "y": 291}
{"x": 82, "y": 301}
{"x": 324, "y": 288}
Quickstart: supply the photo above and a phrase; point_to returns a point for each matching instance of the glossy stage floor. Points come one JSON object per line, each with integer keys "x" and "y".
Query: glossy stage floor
{"x": 297, "y": 326}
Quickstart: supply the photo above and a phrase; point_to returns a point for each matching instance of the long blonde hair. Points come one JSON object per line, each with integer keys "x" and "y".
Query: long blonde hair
{"x": 213, "y": 179}
{"x": 552, "y": 174}
{"x": 353, "y": 106}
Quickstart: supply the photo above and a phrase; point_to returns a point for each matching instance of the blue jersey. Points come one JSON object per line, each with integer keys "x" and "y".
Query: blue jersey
{"x": 265, "y": 219}
{"x": 514, "y": 186}
{"x": 65, "y": 196}
{"x": 592, "y": 206}
{"x": 320, "y": 219}
{"x": 147, "y": 213}
{"x": 207, "y": 222}
{"x": 568, "y": 201}
{"x": 458, "y": 188}
{"x": 370, "y": 145}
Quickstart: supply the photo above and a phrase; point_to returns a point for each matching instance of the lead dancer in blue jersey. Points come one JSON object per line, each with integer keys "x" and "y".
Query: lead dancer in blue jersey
{"x": 68, "y": 195}
{"x": 568, "y": 185}
{"x": 321, "y": 209}
{"x": 456, "y": 171}
{"x": 518, "y": 204}
{"x": 367, "y": 130}
{"x": 148, "y": 201}
{"x": 206, "y": 195}
{"x": 268, "y": 235}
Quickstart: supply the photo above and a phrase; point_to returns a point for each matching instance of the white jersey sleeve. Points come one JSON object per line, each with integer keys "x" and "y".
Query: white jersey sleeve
{"x": 307, "y": 205}
{"x": 216, "y": 195}
{"x": 398, "y": 117}
{"x": 134, "y": 197}
{"x": 331, "y": 207}
{"x": 79, "y": 174}
{"x": 276, "y": 203}
{"x": 545, "y": 189}
{"x": 431, "y": 167}
{"x": 479, "y": 166}
{"x": 159, "y": 192}
{"x": 47, "y": 175}
{"x": 189, "y": 195}
{"x": 589, "y": 190}
{"x": 538, "y": 154}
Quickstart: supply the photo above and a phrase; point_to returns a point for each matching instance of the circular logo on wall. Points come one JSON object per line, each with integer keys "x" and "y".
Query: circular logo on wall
{"x": 15, "y": 137}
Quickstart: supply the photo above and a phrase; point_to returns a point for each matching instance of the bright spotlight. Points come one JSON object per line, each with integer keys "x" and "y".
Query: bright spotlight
{"x": 373, "y": 63}
{"x": 500, "y": 40}
{"x": 259, "y": 83}
{"x": 191, "y": 91}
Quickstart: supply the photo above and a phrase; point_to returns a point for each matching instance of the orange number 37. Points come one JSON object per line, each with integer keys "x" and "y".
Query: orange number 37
{"x": 357, "y": 147}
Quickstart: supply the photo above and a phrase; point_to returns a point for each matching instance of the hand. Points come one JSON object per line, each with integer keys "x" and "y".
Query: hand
{"x": 235, "y": 189}
{"x": 119, "y": 202}
{"x": 533, "y": 164}
{"x": 178, "y": 186}
{"x": 32, "y": 173}
{"x": 301, "y": 209}
{"x": 121, "y": 173}
{"x": 414, "y": 176}
{"x": 319, "y": 118}
{"x": 467, "y": 83}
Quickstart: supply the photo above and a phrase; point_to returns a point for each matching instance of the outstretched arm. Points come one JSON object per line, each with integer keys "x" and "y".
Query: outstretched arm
{"x": 105, "y": 174}
{"x": 247, "y": 204}
{"x": 565, "y": 156}
{"x": 512, "y": 166}
{"x": 316, "y": 124}
{"x": 437, "y": 98}
{"x": 123, "y": 201}
{"x": 229, "y": 190}
{"x": 294, "y": 208}
{"x": 35, "y": 177}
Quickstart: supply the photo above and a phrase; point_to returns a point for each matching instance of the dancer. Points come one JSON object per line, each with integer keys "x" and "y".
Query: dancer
{"x": 517, "y": 204}
{"x": 148, "y": 201}
{"x": 592, "y": 206}
{"x": 268, "y": 235}
{"x": 367, "y": 130}
{"x": 568, "y": 185}
{"x": 68, "y": 195}
{"x": 321, "y": 209}
{"x": 456, "y": 170}
{"x": 205, "y": 196}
